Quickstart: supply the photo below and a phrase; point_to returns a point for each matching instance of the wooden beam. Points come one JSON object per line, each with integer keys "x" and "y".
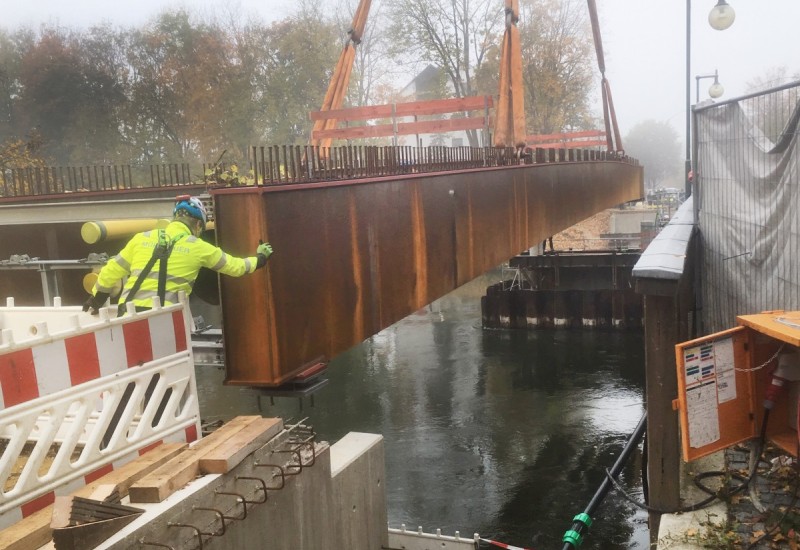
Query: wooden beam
{"x": 182, "y": 469}
{"x": 570, "y": 144}
{"x": 231, "y": 452}
{"x": 418, "y": 108}
{"x": 565, "y": 136}
{"x": 34, "y": 531}
{"x": 403, "y": 128}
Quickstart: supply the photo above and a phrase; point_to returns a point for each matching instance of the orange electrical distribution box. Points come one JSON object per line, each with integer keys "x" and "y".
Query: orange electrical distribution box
{"x": 722, "y": 380}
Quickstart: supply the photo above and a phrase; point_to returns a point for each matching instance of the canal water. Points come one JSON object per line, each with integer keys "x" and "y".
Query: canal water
{"x": 503, "y": 433}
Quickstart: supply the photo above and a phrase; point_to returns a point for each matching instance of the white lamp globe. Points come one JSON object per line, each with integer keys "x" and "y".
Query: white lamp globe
{"x": 716, "y": 90}
{"x": 721, "y": 16}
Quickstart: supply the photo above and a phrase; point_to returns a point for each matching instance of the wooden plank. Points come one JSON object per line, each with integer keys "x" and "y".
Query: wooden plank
{"x": 570, "y": 144}
{"x": 444, "y": 106}
{"x": 413, "y": 108}
{"x": 437, "y": 126}
{"x": 34, "y": 531}
{"x": 355, "y": 113}
{"x": 177, "y": 472}
{"x": 403, "y": 129}
{"x": 355, "y": 132}
{"x": 230, "y": 453}
{"x": 565, "y": 136}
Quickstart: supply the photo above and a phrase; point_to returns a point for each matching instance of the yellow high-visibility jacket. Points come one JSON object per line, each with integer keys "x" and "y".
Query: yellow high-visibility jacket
{"x": 189, "y": 254}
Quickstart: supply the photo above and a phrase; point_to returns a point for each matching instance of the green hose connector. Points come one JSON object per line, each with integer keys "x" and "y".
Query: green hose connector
{"x": 584, "y": 519}
{"x": 572, "y": 536}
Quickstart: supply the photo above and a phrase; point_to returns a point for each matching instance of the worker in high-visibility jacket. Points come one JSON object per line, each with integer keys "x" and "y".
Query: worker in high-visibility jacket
{"x": 163, "y": 262}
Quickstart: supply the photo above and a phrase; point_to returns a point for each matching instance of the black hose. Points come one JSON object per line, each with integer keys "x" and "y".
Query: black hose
{"x": 581, "y": 522}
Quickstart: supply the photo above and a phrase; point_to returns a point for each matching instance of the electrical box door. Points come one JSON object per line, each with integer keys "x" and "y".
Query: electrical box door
{"x": 715, "y": 400}
{"x": 723, "y": 380}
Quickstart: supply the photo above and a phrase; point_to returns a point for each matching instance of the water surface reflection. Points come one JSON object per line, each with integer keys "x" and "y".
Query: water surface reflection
{"x": 505, "y": 433}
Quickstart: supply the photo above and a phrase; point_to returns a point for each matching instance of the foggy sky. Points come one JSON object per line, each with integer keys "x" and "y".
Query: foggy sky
{"x": 644, "y": 43}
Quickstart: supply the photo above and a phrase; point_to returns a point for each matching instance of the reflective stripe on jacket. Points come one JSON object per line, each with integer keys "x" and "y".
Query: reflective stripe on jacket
{"x": 189, "y": 254}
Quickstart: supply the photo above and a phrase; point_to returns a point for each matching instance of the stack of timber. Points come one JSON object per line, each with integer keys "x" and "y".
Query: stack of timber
{"x": 95, "y": 512}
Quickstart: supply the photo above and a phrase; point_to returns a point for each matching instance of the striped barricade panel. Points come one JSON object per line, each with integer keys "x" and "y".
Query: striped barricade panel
{"x": 51, "y": 361}
{"x": 79, "y": 402}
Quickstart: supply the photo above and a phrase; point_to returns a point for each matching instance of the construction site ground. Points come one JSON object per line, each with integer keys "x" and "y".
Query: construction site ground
{"x": 584, "y": 235}
{"x": 736, "y": 522}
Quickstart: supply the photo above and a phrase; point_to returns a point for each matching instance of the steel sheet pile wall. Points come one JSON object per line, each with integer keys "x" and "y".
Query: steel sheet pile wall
{"x": 354, "y": 257}
{"x": 748, "y": 159}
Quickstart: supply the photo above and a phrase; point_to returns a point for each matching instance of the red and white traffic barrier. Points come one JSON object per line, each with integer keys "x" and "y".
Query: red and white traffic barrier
{"x": 101, "y": 388}
{"x": 504, "y": 545}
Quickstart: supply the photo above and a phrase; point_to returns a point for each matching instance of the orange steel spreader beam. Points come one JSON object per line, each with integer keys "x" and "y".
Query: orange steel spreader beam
{"x": 334, "y": 96}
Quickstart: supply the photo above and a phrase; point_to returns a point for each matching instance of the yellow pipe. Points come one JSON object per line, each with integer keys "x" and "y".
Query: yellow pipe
{"x": 94, "y": 232}
{"x": 91, "y": 278}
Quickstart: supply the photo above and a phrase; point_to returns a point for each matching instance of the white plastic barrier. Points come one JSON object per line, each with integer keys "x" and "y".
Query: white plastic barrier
{"x": 84, "y": 394}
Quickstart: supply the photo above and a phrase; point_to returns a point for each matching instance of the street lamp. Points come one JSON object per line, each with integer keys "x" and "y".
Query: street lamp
{"x": 715, "y": 90}
{"x": 720, "y": 18}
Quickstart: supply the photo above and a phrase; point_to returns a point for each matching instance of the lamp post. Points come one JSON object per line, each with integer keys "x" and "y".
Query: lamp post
{"x": 720, "y": 18}
{"x": 714, "y": 91}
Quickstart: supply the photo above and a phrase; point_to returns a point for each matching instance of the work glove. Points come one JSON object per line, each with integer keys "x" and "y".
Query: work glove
{"x": 94, "y": 303}
{"x": 263, "y": 252}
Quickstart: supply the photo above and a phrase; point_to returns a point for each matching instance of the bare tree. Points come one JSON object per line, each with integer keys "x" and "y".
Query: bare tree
{"x": 453, "y": 35}
{"x": 373, "y": 72}
{"x": 772, "y": 112}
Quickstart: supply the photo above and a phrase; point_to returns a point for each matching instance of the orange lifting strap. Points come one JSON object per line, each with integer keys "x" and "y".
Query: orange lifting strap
{"x": 334, "y": 96}
{"x": 509, "y": 127}
{"x": 614, "y": 141}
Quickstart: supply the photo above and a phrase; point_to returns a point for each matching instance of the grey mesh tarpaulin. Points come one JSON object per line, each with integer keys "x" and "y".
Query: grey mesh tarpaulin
{"x": 747, "y": 198}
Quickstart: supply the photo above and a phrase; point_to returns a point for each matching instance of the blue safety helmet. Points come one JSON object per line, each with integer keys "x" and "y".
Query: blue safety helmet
{"x": 192, "y": 206}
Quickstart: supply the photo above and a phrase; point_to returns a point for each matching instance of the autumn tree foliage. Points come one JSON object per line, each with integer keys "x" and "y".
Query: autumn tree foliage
{"x": 558, "y": 64}
{"x": 185, "y": 89}
{"x": 22, "y": 154}
{"x": 178, "y": 89}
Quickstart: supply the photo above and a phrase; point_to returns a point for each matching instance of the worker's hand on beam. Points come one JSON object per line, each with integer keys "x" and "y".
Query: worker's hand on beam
{"x": 263, "y": 252}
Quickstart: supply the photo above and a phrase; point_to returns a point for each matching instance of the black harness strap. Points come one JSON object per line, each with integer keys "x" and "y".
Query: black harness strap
{"x": 161, "y": 252}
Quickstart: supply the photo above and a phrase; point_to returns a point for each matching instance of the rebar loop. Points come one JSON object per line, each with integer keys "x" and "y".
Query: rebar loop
{"x": 196, "y": 531}
{"x": 310, "y": 444}
{"x": 263, "y": 488}
{"x": 219, "y": 514}
{"x": 156, "y": 544}
{"x": 239, "y": 498}
{"x": 280, "y": 469}
{"x": 299, "y": 464}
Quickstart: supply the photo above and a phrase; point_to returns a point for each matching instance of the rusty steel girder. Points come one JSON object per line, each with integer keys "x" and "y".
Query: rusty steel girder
{"x": 353, "y": 257}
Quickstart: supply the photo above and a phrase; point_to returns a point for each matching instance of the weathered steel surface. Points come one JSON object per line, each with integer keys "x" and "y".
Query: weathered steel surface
{"x": 354, "y": 257}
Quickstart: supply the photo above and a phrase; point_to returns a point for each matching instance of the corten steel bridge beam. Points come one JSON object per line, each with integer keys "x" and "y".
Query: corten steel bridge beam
{"x": 353, "y": 257}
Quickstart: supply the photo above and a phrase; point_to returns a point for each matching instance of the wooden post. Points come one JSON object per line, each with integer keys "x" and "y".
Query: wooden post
{"x": 667, "y": 304}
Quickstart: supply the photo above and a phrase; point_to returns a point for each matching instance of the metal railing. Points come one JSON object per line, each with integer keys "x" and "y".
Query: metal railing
{"x": 26, "y": 182}
{"x": 303, "y": 164}
{"x": 287, "y": 164}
